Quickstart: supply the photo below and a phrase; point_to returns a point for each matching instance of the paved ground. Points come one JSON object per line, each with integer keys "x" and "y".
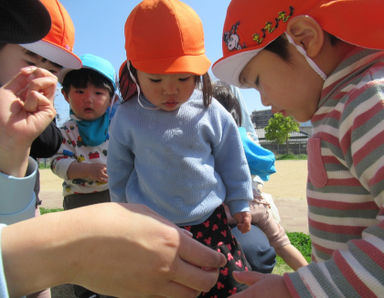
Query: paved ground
{"x": 287, "y": 188}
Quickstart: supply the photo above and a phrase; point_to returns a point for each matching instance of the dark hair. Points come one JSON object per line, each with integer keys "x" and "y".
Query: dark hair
{"x": 224, "y": 95}
{"x": 79, "y": 78}
{"x": 280, "y": 45}
{"x": 128, "y": 88}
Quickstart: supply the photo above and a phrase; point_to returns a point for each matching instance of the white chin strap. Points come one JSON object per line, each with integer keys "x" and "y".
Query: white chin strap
{"x": 311, "y": 63}
{"x": 153, "y": 108}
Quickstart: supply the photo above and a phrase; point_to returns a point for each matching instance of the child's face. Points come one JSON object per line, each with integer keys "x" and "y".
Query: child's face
{"x": 88, "y": 103}
{"x": 289, "y": 87}
{"x": 167, "y": 91}
{"x": 14, "y": 57}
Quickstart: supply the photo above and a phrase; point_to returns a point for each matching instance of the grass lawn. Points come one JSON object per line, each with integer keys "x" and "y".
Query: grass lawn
{"x": 303, "y": 243}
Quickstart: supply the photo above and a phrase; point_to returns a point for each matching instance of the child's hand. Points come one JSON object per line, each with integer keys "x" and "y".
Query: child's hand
{"x": 98, "y": 172}
{"x": 243, "y": 220}
{"x": 91, "y": 171}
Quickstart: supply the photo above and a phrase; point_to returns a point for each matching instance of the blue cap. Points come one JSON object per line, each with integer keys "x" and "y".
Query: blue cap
{"x": 96, "y": 63}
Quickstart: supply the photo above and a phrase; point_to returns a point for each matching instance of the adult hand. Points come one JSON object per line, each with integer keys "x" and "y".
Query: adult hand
{"x": 122, "y": 250}
{"x": 26, "y": 109}
{"x": 261, "y": 285}
{"x": 243, "y": 220}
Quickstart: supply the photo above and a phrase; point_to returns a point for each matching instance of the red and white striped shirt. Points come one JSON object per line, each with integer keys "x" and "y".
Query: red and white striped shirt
{"x": 345, "y": 189}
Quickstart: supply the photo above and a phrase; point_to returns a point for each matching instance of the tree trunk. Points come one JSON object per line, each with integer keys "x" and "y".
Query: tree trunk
{"x": 286, "y": 143}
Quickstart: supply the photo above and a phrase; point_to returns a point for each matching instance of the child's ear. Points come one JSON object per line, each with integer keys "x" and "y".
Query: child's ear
{"x": 65, "y": 95}
{"x": 305, "y": 31}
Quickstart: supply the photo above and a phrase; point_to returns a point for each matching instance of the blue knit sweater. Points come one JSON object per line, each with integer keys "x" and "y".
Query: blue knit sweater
{"x": 182, "y": 164}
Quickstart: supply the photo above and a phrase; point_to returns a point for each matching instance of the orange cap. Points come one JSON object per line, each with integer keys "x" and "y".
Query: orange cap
{"x": 165, "y": 36}
{"x": 57, "y": 45}
{"x": 250, "y": 25}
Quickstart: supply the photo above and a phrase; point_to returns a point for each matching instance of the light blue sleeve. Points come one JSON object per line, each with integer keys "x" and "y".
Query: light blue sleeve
{"x": 3, "y": 282}
{"x": 18, "y": 196}
{"x": 119, "y": 161}
{"x": 231, "y": 164}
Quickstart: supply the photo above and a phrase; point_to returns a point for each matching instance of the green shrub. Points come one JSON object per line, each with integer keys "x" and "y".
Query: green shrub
{"x": 302, "y": 242}
{"x": 45, "y": 210}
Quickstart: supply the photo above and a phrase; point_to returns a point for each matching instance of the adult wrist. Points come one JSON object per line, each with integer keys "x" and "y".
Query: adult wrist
{"x": 14, "y": 162}
{"x": 49, "y": 261}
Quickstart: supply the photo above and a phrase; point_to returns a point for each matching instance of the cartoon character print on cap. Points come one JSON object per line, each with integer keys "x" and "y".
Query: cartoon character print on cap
{"x": 282, "y": 16}
{"x": 232, "y": 40}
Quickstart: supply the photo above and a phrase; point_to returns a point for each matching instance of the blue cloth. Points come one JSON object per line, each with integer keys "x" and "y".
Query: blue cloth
{"x": 18, "y": 199}
{"x": 182, "y": 164}
{"x": 93, "y": 132}
{"x": 3, "y": 281}
{"x": 261, "y": 161}
{"x": 258, "y": 252}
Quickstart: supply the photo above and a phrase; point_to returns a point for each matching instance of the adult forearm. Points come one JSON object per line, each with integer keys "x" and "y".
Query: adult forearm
{"x": 35, "y": 261}
{"x": 113, "y": 249}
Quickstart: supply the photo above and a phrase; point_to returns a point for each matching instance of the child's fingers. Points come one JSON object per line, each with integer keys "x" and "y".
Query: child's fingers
{"x": 244, "y": 227}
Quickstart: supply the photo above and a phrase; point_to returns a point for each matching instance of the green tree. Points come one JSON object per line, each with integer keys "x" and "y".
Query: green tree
{"x": 279, "y": 127}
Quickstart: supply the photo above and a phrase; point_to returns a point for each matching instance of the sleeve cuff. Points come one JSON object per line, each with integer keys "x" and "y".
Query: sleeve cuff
{"x": 238, "y": 206}
{"x": 61, "y": 167}
{"x": 19, "y": 203}
{"x": 3, "y": 281}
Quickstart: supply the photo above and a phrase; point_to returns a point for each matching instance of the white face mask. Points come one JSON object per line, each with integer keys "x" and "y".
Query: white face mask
{"x": 311, "y": 63}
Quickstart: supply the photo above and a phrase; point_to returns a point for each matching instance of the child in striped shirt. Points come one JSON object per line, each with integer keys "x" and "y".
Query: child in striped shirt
{"x": 322, "y": 61}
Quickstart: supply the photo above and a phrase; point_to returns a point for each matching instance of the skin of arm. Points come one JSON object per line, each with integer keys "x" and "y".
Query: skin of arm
{"x": 292, "y": 256}
{"x": 115, "y": 249}
{"x": 26, "y": 109}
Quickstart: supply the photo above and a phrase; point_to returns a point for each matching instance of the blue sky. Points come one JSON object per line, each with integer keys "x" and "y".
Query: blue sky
{"x": 99, "y": 26}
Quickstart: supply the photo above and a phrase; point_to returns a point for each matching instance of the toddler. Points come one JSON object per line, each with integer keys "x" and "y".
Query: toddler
{"x": 81, "y": 159}
{"x": 173, "y": 147}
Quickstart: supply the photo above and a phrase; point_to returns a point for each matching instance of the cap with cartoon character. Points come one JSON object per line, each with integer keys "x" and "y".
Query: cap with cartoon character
{"x": 165, "y": 36}
{"x": 250, "y": 25}
{"x": 57, "y": 45}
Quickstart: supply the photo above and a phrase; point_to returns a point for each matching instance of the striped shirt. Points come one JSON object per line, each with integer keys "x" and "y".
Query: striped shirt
{"x": 345, "y": 189}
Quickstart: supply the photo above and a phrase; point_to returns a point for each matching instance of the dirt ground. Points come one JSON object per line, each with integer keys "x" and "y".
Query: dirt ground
{"x": 287, "y": 187}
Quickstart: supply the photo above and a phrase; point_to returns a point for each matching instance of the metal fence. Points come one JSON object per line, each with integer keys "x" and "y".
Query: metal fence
{"x": 295, "y": 146}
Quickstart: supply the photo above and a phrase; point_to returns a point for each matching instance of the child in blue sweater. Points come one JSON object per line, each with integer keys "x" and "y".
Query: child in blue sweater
{"x": 173, "y": 147}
